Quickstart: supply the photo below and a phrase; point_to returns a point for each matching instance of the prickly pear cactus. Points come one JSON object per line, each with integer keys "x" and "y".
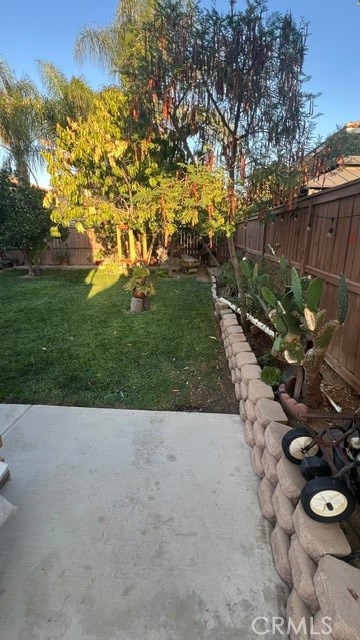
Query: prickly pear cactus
{"x": 297, "y": 289}
{"x": 314, "y": 292}
{"x": 310, "y": 319}
{"x": 302, "y": 332}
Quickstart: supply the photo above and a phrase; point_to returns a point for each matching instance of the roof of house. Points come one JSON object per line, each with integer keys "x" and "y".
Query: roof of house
{"x": 348, "y": 170}
{"x": 336, "y": 160}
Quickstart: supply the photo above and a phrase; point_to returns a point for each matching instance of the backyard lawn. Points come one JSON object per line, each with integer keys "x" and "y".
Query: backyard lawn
{"x": 68, "y": 338}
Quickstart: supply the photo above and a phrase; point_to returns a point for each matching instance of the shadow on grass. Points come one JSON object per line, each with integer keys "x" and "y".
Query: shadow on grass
{"x": 98, "y": 283}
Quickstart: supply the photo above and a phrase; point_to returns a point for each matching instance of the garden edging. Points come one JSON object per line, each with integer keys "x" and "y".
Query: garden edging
{"x": 307, "y": 554}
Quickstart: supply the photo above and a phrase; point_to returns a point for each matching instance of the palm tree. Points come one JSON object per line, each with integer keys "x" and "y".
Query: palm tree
{"x": 118, "y": 46}
{"x": 21, "y": 122}
{"x": 66, "y": 99}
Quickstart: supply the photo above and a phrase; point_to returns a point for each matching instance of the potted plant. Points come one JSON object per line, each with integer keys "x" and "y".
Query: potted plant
{"x": 141, "y": 288}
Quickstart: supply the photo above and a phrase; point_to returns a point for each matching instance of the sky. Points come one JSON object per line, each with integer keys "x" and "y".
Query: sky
{"x": 43, "y": 30}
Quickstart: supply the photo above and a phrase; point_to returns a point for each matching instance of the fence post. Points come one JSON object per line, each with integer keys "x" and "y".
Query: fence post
{"x": 307, "y": 239}
{"x": 263, "y": 248}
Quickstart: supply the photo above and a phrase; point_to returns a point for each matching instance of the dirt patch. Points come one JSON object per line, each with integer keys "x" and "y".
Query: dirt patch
{"x": 339, "y": 390}
{"x": 213, "y": 398}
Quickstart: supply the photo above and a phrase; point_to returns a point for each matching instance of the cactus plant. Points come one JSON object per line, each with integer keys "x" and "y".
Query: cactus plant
{"x": 314, "y": 294}
{"x": 296, "y": 289}
{"x": 254, "y": 279}
{"x": 302, "y": 331}
{"x": 253, "y": 283}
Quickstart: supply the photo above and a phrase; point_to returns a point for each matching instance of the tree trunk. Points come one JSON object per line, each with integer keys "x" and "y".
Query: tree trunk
{"x": 152, "y": 245}
{"x": 171, "y": 253}
{"x": 29, "y": 263}
{"x": 144, "y": 246}
{"x": 118, "y": 243}
{"x": 234, "y": 262}
{"x": 311, "y": 392}
{"x": 243, "y": 314}
{"x": 22, "y": 169}
{"x": 136, "y": 305}
{"x": 232, "y": 210}
{"x": 211, "y": 255}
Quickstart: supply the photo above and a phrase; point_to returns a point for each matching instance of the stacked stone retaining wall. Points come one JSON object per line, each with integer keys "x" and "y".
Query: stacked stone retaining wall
{"x": 324, "y": 591}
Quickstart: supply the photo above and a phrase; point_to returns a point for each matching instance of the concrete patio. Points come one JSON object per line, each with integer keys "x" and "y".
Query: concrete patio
{"x": 131, "y": 525}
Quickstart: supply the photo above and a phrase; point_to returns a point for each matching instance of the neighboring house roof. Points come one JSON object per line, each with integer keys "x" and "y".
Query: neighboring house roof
{"x": 348, "y": 170}
{"x": 336, "y": 160}
{"x": 353, "y": 127}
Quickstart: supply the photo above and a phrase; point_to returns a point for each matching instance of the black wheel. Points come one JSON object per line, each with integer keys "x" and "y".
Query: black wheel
{"x": 294, "y": 445}
{"x": 314, "y": 467}
{"x": 327, "y": 500}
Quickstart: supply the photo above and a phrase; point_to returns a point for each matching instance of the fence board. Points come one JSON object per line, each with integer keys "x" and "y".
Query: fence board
{"x": 342, "y": 229}
{"x": 321, "y": 256}
{"x": 351, "y": 247}
{"x": 353, "y": 324}
{"x": 79, "y": 249}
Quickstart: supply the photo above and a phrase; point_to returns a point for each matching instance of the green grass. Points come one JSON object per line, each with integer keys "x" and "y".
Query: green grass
{"x": 68, "y": 338}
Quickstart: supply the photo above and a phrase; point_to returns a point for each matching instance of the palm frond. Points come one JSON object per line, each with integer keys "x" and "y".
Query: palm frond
{"x": 53, "y": 79}
{"x": 97, "y": 44}
{"x": 21, "y": 119}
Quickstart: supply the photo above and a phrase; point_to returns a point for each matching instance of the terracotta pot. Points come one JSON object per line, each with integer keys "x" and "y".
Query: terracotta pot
{"x": 137, "y": 293}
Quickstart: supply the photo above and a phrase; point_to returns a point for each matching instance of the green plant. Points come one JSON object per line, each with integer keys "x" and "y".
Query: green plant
{"x": 226, "y": 282}
{"x": 302, "y": 331}
{"x": 279, "y": 273}
{"x": 98, "y": 256}
{"x": 255, "y": 276}
{"x": 109, "y": 265}
{"x": 25, "y": 223}
{"x": 265, "y": 359}
{"x": 62, "y": 256}
{"x": 253, "y": 282}
{"x": 161, "y": 273}
{"x": 140, "y": 283}
{"x": 271, "y": 376}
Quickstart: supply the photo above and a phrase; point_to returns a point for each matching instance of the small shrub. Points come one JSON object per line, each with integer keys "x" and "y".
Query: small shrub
{"x": 271, "y": 376}
{"x": 266, "y": 359}
{"x": 62, "y": 256}
{"x": 226, "y": 282}
{"x": 140, "y": 282}
{"x": 110, "y": 266}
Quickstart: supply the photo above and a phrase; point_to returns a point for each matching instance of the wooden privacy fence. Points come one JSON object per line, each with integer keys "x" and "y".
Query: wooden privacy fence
{"x": 83, "y": 249}
{"x": 78, "y": 249}
{"x": 321, "y": 238}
